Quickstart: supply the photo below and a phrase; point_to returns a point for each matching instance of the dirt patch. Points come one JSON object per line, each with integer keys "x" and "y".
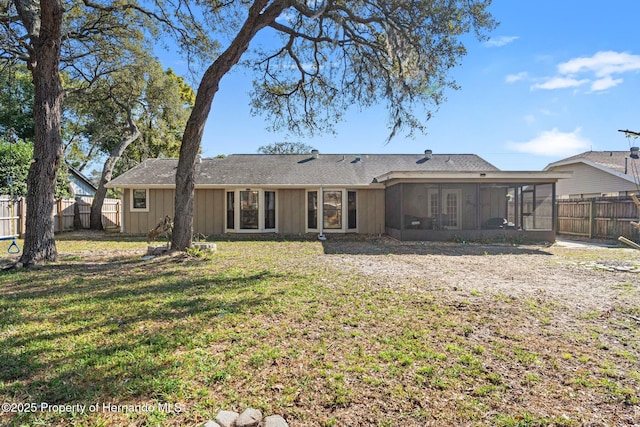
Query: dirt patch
{"x": 509, "y": 271}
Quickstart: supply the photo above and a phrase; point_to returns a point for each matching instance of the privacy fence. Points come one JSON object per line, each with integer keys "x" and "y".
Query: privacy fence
{"x": 601, "y": 218}
{"x": 69, "y": 214}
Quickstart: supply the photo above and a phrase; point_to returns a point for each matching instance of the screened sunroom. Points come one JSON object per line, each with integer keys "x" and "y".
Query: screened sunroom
{"x": 444, "y": 206}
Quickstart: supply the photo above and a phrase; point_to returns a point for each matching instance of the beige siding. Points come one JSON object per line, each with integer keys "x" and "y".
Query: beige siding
{"x": 160, "y": 204}
{"x": 291, "y": 211}
{"x": 209, "y": 214}
{"x": 370, "y": 211}
{"x": 589, "y": 181}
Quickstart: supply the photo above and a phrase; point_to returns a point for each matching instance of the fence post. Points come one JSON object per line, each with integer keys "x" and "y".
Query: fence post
{"x": 22, "y": 216}
{"x": 118, "y": 219}
{"x": 592, "y": 218}
{"x": 60, "y": 217}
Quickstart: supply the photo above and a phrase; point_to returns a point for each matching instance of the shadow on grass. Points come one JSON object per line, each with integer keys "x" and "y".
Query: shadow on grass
{"x": 386, "y": 247}
{"x": 76, "y": 333}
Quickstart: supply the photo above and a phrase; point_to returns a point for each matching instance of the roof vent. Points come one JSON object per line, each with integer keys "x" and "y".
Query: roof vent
{"x": 315, "y": 153}
{"x": 357, "y": 159}
{"x": 634, "y": 152}
{"x": 428, "y": 154}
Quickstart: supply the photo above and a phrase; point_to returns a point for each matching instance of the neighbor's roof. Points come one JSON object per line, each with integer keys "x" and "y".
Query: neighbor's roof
{"x": 612, "y": 162}
{"x": 296, "y": 169}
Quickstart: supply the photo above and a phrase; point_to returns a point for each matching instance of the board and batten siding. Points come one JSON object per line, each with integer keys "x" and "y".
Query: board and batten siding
{"x": 590, "y": 182}
{"x": 208, "y": 212}
{"x": 370, "y": 205}
{"x": 291, "y": 211}
{"x": 160, "y": 202}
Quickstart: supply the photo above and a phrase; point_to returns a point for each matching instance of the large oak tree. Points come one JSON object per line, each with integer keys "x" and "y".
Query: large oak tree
{"x": 83, "y": 39}
{"x": 324, "y": 56}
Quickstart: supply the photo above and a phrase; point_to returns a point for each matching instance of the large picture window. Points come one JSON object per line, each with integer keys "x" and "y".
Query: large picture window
{"x": 332, "y": 207}
{"x": 249, "y": 210}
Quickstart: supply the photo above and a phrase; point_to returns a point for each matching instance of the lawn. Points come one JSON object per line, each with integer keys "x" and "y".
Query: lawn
{"x": 362, "y": 333}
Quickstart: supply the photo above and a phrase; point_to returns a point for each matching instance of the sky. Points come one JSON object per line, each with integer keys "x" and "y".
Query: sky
{"x": 557, "y": 78}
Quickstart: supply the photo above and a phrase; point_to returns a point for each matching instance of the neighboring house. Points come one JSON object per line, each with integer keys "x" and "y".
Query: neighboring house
{"x": 80, "y": 184}
{"x": 597, "y": 174}
{"x": 410, "y": 197}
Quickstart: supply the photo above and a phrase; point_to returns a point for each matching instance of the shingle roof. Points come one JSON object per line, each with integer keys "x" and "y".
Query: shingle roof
{"x": 614, "y": 160}
{"x": 297, "y": 169}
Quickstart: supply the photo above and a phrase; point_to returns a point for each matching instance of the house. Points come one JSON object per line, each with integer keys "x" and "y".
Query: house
{"x": 597, "y": 174}
{"x": 410, "y": 197}
{"x": 80, "y": 184}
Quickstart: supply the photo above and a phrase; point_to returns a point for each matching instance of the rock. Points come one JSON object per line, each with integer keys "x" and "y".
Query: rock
{"x": 275, "y": 421}
{"x": 226, "y": 418}
{"x": 211, "y": 423}
{"x": 249, "y": 418}
{"x": 158, "y": 250}
{"x": 205, "y": 246}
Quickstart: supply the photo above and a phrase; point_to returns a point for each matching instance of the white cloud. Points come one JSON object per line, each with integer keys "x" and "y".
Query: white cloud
{"x": 560, "y": 83}
{"x": 598, "y": 71}
{"x": 552, "y": 143}
{"x": 605, "y": 83}
{"x": 602, "y": 64}
{"x": 512, "y": 78}
{"x": 500, "y": 41}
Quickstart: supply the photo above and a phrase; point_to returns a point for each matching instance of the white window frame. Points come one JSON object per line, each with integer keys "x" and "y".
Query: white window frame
{"x": 261, "y": 213}
{"x": 345, "y": 210}
{"x": 132, "y": 207}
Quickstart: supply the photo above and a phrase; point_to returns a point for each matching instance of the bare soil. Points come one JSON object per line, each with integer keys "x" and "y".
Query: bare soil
{"x": 572, "y": 276}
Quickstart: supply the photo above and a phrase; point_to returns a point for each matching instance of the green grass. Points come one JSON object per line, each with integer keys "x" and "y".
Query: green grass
{"x": 273, "y": 325}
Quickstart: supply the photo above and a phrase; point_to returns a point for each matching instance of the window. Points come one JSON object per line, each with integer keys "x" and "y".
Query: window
{"x": 269, "y": 209}
{"x": 249, "y": 210}
{"x": 334, "y": 210}
{"x": 332, "y": 207}
{"x": 230, "y": 210}
{"x": 312, "y": 209}
{"x": 351, "y": 209}
{"x": 139, "y": 197}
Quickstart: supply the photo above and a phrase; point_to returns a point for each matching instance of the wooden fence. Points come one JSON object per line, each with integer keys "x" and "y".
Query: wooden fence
{"x": 602, "y": 217}
{"x": 69, "y": 214}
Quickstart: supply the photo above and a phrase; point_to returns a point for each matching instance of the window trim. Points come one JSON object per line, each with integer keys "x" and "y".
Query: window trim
{"x": 132, "y": 207}
{"x": 320, "y": 209}
{"x": 261, "y": 211}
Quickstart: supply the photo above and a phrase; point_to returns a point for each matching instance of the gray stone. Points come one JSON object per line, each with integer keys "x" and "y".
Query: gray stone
{"x": 249, "y": 418}
{"x": 205, "y": 246}
{"x": 226, "y": 418}
{"x": 275, "y": 421}
{"x": 211, "y": 423}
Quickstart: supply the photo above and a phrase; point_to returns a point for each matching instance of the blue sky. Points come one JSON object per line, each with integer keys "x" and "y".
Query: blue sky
{"x": 557, "y": 78}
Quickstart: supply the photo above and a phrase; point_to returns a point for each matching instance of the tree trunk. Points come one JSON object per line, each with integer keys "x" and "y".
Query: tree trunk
{"x": 258, "y": 18}
{"x": 95, "y": 218}
{"x": 39, "y": 244}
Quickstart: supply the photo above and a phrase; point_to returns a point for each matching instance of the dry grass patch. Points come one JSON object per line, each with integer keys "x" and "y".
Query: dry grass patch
{"x": 335, "y": 333}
